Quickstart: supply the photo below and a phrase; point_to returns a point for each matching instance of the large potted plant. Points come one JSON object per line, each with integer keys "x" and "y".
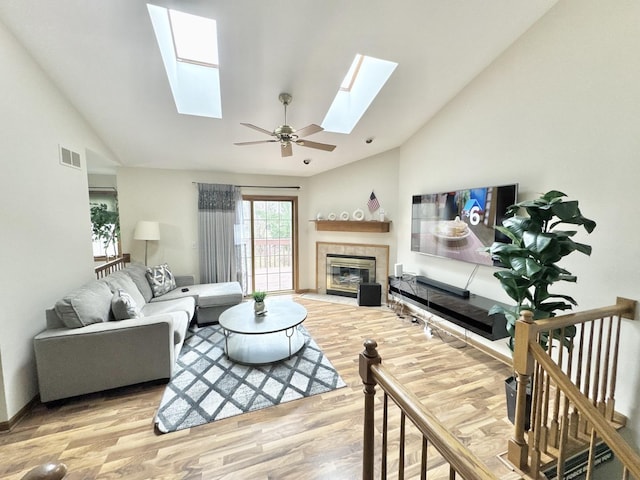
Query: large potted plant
{"x": 105, "y": 226}
{"x": 538, "y": 242}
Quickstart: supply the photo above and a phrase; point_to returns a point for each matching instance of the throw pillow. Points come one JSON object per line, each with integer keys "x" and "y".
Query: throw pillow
{"x": 121, "y": 280}
{"x": 138, "y": 273}
{"x": 161, "y": 279}
{"x": 124, "y": 306}
{"x": 89, "y": 304}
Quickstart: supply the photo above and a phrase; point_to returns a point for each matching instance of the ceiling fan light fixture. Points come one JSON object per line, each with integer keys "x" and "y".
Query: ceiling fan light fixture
{"x": 287, "y": 135}
{"x": 285, "y": 98}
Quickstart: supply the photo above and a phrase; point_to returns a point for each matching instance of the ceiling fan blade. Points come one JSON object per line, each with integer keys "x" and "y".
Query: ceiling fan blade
{"x": 320, "y": 146}
{"x": 286, "y": 150}
{"x": 309, "y": 130}
{"x": 255, "y": 142}
{"x": 257, "y": 128}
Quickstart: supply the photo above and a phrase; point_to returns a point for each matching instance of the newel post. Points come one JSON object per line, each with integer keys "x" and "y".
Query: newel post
{"x": 47, "y": 471}
{"x": 368, "y": 358}
{"x": 523, "y": 365}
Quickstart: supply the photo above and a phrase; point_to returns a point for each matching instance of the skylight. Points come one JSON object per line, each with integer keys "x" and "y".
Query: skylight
{"x": 362, "y": 83}
{"x": 189, "y": 48}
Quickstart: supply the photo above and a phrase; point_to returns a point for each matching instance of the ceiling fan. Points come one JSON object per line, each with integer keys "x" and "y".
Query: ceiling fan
{"x": 287, "y": 135}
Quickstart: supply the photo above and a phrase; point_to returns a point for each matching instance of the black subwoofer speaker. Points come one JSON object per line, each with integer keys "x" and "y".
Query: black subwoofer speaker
{"x": 369, "y": 294}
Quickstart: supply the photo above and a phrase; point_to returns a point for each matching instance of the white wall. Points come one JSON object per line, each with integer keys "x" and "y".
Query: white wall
{"x": 346, "y": 189}
{"x": 558, "y": 111}
{"x": 171, "y": 198}
{"x": 44, "y": 214}
{"x": 102, "y": 181}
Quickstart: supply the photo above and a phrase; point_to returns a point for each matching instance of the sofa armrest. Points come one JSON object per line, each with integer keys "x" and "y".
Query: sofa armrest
{"x": 184, "y": 280}
{"x": 105, "y": 327}
{"x": 75, "y": 361}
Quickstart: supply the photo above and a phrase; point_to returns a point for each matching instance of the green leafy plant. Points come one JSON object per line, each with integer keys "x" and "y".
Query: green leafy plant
{"x": 259, "y": 296}
{"x": 105, "y": 225}
{"x": 531, "y": 259}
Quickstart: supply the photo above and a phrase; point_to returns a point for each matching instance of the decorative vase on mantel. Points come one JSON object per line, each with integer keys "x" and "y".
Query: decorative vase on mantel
{"x": 258, "y": 298}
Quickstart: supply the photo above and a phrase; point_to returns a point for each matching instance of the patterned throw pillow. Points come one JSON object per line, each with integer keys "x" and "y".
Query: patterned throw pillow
{"x": 161, "y": 279}
{"x": 124, "y": 306}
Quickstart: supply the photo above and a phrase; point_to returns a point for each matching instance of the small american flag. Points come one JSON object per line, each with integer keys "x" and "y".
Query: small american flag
{"x": 373, "y": 203}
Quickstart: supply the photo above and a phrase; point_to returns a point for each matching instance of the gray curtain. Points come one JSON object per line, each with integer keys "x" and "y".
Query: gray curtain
{"x": 219, "y": 233}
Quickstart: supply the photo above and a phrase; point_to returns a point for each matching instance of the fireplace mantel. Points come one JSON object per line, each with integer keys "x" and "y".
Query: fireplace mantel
{"x": 352, "y": 226}
{"x": 380, "y": 252}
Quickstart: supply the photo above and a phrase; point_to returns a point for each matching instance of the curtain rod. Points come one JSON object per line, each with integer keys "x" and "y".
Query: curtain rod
{"x": 259, "y": 186}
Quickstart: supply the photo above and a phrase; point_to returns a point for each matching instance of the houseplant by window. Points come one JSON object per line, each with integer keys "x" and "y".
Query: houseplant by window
{"x": 531, "y": 259}
{"x": 105, "y": 225}
{"x": 258, "y": 298}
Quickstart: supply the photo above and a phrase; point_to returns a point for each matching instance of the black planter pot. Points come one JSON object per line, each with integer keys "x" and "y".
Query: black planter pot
{"x": 510, "y": 387}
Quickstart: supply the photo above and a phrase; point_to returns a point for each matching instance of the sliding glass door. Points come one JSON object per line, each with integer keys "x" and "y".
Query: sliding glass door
{"x": 271, "y": 243}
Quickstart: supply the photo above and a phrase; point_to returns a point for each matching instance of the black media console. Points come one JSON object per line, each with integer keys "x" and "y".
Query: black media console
{"x": 451, "y": 303}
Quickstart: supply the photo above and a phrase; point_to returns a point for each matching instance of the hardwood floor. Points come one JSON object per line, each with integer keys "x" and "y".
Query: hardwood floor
{"x": 110, "y": 435}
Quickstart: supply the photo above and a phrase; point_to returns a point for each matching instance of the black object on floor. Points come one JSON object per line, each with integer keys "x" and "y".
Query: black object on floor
{"x": 369, "y": 294}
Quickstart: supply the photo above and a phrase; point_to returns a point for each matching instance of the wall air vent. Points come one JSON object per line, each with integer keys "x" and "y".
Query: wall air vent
{"x": 70, "y": 158}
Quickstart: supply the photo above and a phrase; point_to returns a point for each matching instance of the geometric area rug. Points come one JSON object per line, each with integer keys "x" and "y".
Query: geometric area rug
{"x": 206, "y": 386}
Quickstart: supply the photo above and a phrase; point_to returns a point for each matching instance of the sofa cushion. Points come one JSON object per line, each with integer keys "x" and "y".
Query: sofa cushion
{"x": 121, "y": 280}
{"x": 209, "y": 294}
{"x": 186, "y": 304}
{"x": 161, "y": 279}
{"x": 89, "y": 304}
{"x": 124, "y": 306}
{"x": 180, "y": 326}
{"x": 52, "y": 319}
{"x": 138, "y": 273}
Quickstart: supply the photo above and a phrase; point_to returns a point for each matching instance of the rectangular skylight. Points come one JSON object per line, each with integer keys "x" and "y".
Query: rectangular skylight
{"x": 362, "y": 83}
{"x": 189, "y": 49}
{"x": 195, "y": 38}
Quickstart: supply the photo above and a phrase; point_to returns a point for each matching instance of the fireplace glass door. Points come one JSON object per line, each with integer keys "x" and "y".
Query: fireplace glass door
{"x": 346, "y": 272}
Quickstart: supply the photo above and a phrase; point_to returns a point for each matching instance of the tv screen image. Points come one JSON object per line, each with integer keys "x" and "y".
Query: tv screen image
{"x": 460, "y": 223}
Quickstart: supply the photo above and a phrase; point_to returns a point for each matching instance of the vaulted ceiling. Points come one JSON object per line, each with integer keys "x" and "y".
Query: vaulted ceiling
{"x": 104, "y": 58}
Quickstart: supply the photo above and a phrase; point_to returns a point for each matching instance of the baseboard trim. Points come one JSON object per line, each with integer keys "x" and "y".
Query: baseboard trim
{"x": 305, "y": 290}
{"x": 7, "y": 426}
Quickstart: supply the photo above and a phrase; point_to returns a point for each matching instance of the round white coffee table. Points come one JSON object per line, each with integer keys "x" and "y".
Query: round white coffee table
{"x": 266, "y": 338}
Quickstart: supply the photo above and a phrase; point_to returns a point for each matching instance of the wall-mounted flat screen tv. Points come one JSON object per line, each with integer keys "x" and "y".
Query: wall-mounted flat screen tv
{"x": 460, "y": 223}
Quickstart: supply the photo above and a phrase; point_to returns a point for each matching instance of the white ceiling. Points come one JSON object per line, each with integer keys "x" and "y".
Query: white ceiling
{"x": 104, "y": 58}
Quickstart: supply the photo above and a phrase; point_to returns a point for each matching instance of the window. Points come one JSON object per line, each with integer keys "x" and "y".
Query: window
{"x": 105, "y": 224}
{"x": 270, "y": 231}
{"x": 189, "y": 48}
{"x": 362, "y": 83}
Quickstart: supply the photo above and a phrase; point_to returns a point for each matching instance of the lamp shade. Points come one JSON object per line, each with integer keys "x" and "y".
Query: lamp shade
{"x": 147, "y": 230}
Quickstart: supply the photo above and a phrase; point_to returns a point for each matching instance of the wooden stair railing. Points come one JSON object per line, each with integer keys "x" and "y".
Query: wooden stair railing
{"x": 572, "y": 389}
{"x": 111, "y": 266}
{"x": 461, "y": 461}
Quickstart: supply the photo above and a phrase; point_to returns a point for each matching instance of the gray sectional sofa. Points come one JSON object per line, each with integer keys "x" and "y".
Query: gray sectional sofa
{"x": 123, "y": 329}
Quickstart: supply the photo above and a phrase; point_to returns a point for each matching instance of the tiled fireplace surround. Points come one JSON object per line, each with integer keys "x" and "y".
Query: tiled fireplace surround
{"x": 380, "y": 252}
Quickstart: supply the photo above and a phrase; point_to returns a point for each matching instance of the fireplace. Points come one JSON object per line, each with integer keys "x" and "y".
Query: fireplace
{"x": 346, "y": 272}
{"x": 379, "y": 252}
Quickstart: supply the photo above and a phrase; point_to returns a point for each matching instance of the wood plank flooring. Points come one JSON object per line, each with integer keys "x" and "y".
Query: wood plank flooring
{"x": 110, "y": 435}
